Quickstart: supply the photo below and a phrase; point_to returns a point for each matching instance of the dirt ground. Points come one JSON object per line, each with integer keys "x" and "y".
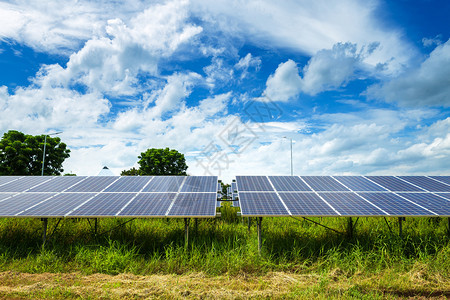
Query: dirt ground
{"x": 14, "y": 285}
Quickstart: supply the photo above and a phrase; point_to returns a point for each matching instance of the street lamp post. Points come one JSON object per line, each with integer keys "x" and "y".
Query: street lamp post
{"x": 292, "y": 165}
{"x": 45, "y": 144}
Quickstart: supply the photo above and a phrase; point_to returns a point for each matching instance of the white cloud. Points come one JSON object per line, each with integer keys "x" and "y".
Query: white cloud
{"x": 247, "y": 62}
{"x": 427, "y": 85}
{"x": 285, "y": 84}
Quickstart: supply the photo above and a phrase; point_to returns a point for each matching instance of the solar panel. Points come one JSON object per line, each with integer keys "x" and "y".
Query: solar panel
{"x": 444, "y": 179}
{"x": 164, "y": 184}
{"x": 261, "y": 204}
{"x": 24, "y": 183}
{"x": 6, "y": 179}
{"x": 350, "y": 204}
{"x": 58, "y": 206}
{"x": 233, "y": 187}
{"x": 323, "y": 183}
{"x": 194, "y": 205}
{"x": 4, "y": 196}
{"x": 426, "y": 183}
{"x": 306, "y": 204}
{"x": 432, "y": 202}
{"x": 253, "y": 183}
{"x": 12, "y": 206}
{"x": 394, "y": 205}
{"x": 103, "y": 204}
{"x": 58, "y": 184}
{"x": 194, "y": 184}
{"x": 128, "y": 184}
{"x": 444, "y": 195}
{"x": 394, "y": 184}
{"x": 358, "y": 183}
{"x": 93, "y": 184}
{"x": 288, "y": 183}
{"x": 148, "y": 204}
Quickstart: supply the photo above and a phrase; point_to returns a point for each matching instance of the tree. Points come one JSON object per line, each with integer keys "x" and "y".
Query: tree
{"x": 131, "y": 172}
{"x": 159, "y": 162}
{"x": 21, "y": 154}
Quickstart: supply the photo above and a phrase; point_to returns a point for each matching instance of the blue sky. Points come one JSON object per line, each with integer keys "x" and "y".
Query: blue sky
{"x": 361, "y": 87}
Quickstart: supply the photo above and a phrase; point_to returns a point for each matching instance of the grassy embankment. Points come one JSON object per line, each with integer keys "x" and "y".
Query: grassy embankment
{"x": 318, "y": 262}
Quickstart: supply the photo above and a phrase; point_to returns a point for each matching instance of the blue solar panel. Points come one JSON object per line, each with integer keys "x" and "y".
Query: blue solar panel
{"x": 104, "y": 204}
{"x": 58, "y": 206}
{"x": 6, "y": 179}
{"x": 323, "y": 183}
{"x": 24, "y": 183}
{"x": 194, "y": 184}
{"x": 57, "y": 184}
{"x": 350, "y": 204}
{"x": 394, "y": 184}
{"x": 306, "y": 204}
{"x": 164, "y": 184}
{"x": 445, "y": 195}
{"x": 233, "y": 187}
{"x": 4, "y": 196}
{"x": 93, "y": 184}
{"x": 148, "y": 204}
{"x": 12, "y": 206}
{"x": 261, "y": 204}
{"x": 289, "y": 183}
{"x": 394, "y": 205}
{"x": 432, "y": 202}
{"x": 253, "y": 183}
{"x": 444, "y": 179}
{"x": 129, "y": 184}
{"x": 426, "y": 183}
{"x": 358, "y": 183}
{"x": 194, "y": 205}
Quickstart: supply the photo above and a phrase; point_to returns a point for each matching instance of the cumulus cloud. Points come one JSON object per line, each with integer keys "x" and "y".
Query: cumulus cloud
{"x": 426, "y": 85}
{"x": 246, "y": 63}
{"x": 285, "y": 83}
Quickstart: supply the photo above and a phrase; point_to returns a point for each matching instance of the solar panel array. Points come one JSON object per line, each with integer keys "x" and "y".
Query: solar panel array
{"x": 108, "y": 196}
{"x": 344, "y": 195}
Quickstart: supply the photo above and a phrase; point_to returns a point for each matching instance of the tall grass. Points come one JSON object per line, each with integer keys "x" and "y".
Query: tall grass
{"x": 219, "y": 246}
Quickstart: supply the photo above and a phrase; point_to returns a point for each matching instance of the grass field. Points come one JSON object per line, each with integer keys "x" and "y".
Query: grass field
{"x": 147, "y": 258}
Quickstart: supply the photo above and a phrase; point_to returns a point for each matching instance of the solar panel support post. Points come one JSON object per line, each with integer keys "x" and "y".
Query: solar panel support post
{"x": 400, "y": 227}
{"x": 44, "y": 231}
{"x": 186, "y": 233}
{"x": 349, "y": 227}
{"x": 448, "y": 226}
{"x": 258, "y": 224}
{"x": 95, "y": 226}
{"x": 249, "y": 221}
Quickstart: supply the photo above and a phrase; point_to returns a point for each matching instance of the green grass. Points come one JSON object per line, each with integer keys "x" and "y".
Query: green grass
{"x": 226, "y": 246}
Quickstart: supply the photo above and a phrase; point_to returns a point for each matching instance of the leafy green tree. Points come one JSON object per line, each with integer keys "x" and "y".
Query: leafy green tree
{"x": 131, "y": 172}
{"x": 159, "y": 162}
{"x": 21, "y": 154}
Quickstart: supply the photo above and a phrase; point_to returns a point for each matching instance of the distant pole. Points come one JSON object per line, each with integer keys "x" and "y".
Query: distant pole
{"x": 292, "y": 164}
{"x": 45, "y": 144}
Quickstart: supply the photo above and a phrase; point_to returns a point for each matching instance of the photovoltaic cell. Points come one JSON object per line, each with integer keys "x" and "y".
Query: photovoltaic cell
{"x": 93, "y": 184}
{"x": 350, "y": 204}
{"x": 128, "y": 184}
{"x": 261, "y": 204}
{"x": 24, "y": 183}
{"x": 194, "y": 205}
{"x": 394, "y": 184}
{"x": 253, "y": 183}
{"x": 4, "y": 196}
{"x": 445, "y": 179}
{"x": 358, "y": 183}
{"x": 164, "y": 184}
{"x": 149, "y": 204}
{"x": 426, "y": 183}
{"x": 306, "y": 204}
{"x": 104, "y": 204}
{"x": 323, "y": 183}
{"x": 445, "y": 195}
{"x": 194, "y": 184}
{"x": 394, "y": 205}
{"x": 288, "y": 183}
{"x": 6, "y": 179}
{"x": 12, "y": 206}
{"x": 58, "y": 206}
{"x": 429, "y": 201}
{"x": 57, "y": 184}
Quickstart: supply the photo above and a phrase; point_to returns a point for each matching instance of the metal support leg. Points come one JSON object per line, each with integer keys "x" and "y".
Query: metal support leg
{"x": 196, "y": 226}
{"x": 350, "y": 227}
{"x": 95, "y": 226}
{"x": 186, "y": 233}
{"x": 448, "y": 226}
{"x": 400, "y": 227}
{"x": 44, "y": 231}
{"x": 258, "y": 224}
{"x": 249, "y": 220}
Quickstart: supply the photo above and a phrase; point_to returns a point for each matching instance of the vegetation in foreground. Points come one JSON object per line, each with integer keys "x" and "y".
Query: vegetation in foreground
{"x": 375, "y": 262}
